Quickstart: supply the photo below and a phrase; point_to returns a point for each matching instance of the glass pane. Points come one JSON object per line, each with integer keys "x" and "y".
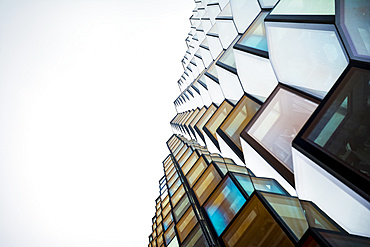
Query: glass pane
{"x": 184, "y": 157}
{"x": 181, "y": 208}
{"x": 355, "y": 22}
{"x": 174, "y": 243}
{"x": 304, "y": 7}
{"x": 175, "y": 186}
{"x": 228, "y": 57}
{"x": 189, "y": 163}
{"x": 206, "y": 184}
{"x": 160, "y": 240}
{"x": 166, "y": 210}
{"x": 195, "y": 238}
{"x": 181, "y": 152}
{"x": 199, "y": 115}
{"x": 266, "y": 4}
{"x": 255, "y": 36}
{"x": 239, "y": 118}
{"x": 237, "y": 168}
{"x": 213, "y": 71}
{"x": 177, "y": 196}
{"x": 267, "y": 185}
{"x": 341, "y": 129}
{"x": 169, "y": 234}
{"x": 246, "y": 182}
{"x": 166, "y": 200}
{"x": 167, "y": 221}
{"x": 316, "y": 218}
{"x": 217, "y": 118}
{"x": 224, "y": 203}
{"x": 308, "y": 56}
{"x": 279, "y": 123}
{"x": 173, "y": 179}
{"x": 290, "y": 211}
{"x": 255, "y": 227}
{"x": 196, "y": 171}
{"x": 200, "y": 124}
{"x": 186, "y": 224}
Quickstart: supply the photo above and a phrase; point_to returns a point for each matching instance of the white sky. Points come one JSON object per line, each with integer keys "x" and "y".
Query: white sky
{"x": 86, "y": 96}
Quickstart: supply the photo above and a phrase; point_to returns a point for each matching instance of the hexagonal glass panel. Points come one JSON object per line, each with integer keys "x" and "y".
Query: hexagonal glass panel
{"x": 307, "y": 56}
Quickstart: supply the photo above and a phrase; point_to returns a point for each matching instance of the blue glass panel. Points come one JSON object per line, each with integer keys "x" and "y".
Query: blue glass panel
{"x": 245, "y": 182}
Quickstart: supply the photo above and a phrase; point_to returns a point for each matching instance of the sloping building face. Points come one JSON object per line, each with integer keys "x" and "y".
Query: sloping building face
{"x": 271, "y": 143}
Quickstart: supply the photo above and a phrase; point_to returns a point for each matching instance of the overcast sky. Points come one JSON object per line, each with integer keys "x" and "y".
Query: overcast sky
{"x": 86, "y": 96}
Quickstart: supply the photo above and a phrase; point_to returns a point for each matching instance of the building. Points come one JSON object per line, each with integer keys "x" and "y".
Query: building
{"x": 271, "y": 143}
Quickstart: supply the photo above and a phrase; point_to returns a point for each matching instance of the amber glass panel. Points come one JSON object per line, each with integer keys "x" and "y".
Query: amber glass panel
{"x": 154, "y": 234}
{"x": 223, "y": 204}
{"x": 167, "y": 163}
{"x": 316, "y": 218}
{"x": 199, "y": 115}
{"x": 166, "y": 210}
{"x": 195, "y": 238}
{"x": 290, "y": 211}
{"x": 182, "y": 151}
{"x": 169, "y": 234}
{"x": 206, "y": 184}
{"x": 181, "y": 208}
{"x": 310, "y": 242}
{"x": 217, "y": 118}
{"x": 239, "y": 118}
{"x": 255, "y": 227}
{"x": 160, "y": 240}
{"x": 169, "y": 169}
{"x": 159, "y": 219}
{"x": 196, "y": 171}
{"x": 206, "y": 116}
{"x": 154, "y": 243}
{"x": 165, "y": 201}
{"x": 167, "y": 221}
{"x": 236, "y": 168}
{"x": 159, "y": 211}
{"x": 178, "y": 148}
{"x": 177, "y": 196}
{"x": 186, "y": 224}
{"x": 191, "y": 118}
{"x": 159, "y": 229}
{"x": 173, "y": 179}
{"x": 171, "y": 173}
{"x": 185, "y": 157}
{"x": 189, "y": 163}
{"x": 267, "y": 185}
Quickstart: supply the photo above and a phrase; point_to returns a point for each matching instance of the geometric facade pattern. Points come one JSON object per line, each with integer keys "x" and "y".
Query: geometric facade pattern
{"x": 271, "y": 143}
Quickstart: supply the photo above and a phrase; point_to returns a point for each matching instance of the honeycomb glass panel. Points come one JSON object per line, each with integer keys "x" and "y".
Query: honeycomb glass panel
{"x": 189, "y": 163}
{"x": 177, "y": 196}
{"x": 279, "y": 122}
{"x": 238, "y": 119}
{"x": 255, "y": 36}
{"x": 254, "y": 226}
{"x": 307, "y": 56}
{"x": 218, "y": 118}
{"x": 268, "y": 185}
{"x": 354, "y": 20}
{"x": 186, "y": 224}
{"x": 341, "y": 128}
{"x": 181, "y": 208}
{"x": 316, "y": 218}
{"x": 195, "y": 238}
{"x": 169, "y": 234}
{"x": 290, "y": 211}
{"x": 223, "y": 204}
{"x": 167, "y": 221}
{"x": 304, "y": 7}
{"x": 196, "y": 171}
{"x": 206, "y": 184}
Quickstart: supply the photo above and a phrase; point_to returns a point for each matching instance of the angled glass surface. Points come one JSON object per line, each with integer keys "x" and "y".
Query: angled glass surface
{"x": 206, "y": 184}
{"x": 186, "y": 224}
{"x": 304, "y": 7}
{"x": 181, "y": 208}
{"x": 218, "y": 117}
{"x": 226, "y": 167}
{"x": 196, "y": 171}
{"x": 290, "y": 211}
{"x": 206, "y": 116}
{"x": 255, "y": 36}
{"x": 173, "y": 243}
{"x": 173, "y": 179}
{"x": 181, "y": 152}
{"x": 226, "y": 13}
{"x": 189, "y": 163}
{"x": 239, "y": 118}
{"x": 223, "y": 204}
{"x": 185, "y": 157}
{"x": 279, "y": 122}
{"x": 267, "y": 4}
{"x": 195, "y": 238}
{"x": 354, "y": 20}
{"x": 175, "y": 186}
{"x": 213, "y": 71}
{"x": 310, "y": 57}
{"x": 165, "y": 201}
{"x": 169, "y": 234}
{"x": 316, "y": 218}
{"x": 268, "y": 185}
{"x": 341, "y": 240}
{"x": 255, "y": 227}
{"x": 177, "y": 196}
{"x": 160, "y": 240}
{"x": 191, "y": 118}
{"x": 166, "y": 210}
{"x": 341, "y": 128}
{"x": 246, "y": 182}
{"x": 213, "y": 31}
{"x": 228, "y": 57}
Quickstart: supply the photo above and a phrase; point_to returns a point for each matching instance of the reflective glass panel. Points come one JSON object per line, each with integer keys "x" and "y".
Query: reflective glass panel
{"x": 174, "y": 243}
{"x": 224, "y": 203}
{"x": 167, "y": 221}
{"x": 189, "y": 163}
{"x": 206, "y": 184}
{"x": 196, "y": 171}
{"x": 255, "y": 36}
{"x": 255, "y": 227}
{"x": 342, "y": 127}
{"x": 213, "y": 71}
{"x": 175, "y": 186}
{"x": 280, "y": 121}
{"x": 169, "y": 234}
{"x": 186, "y": 224}
{"x": 200, "y": 124}
{"x": 198, "y": 116}
{"x": 267, "y": 185}
{"x": 166, "y": 210}
{"x": 290, "y": 211}
{"x": 304, "y": 7}
{"x": 341, "y": 240}
{"x": 246, "y": 182}
{"x": 184, "y": 157}
{"x": 177, "y": 196}
{"x": 195, "y": 238}
{"x": 181, "y": 208}
{"x": 217, "y": 118}
{"x": 239, "y": 118}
